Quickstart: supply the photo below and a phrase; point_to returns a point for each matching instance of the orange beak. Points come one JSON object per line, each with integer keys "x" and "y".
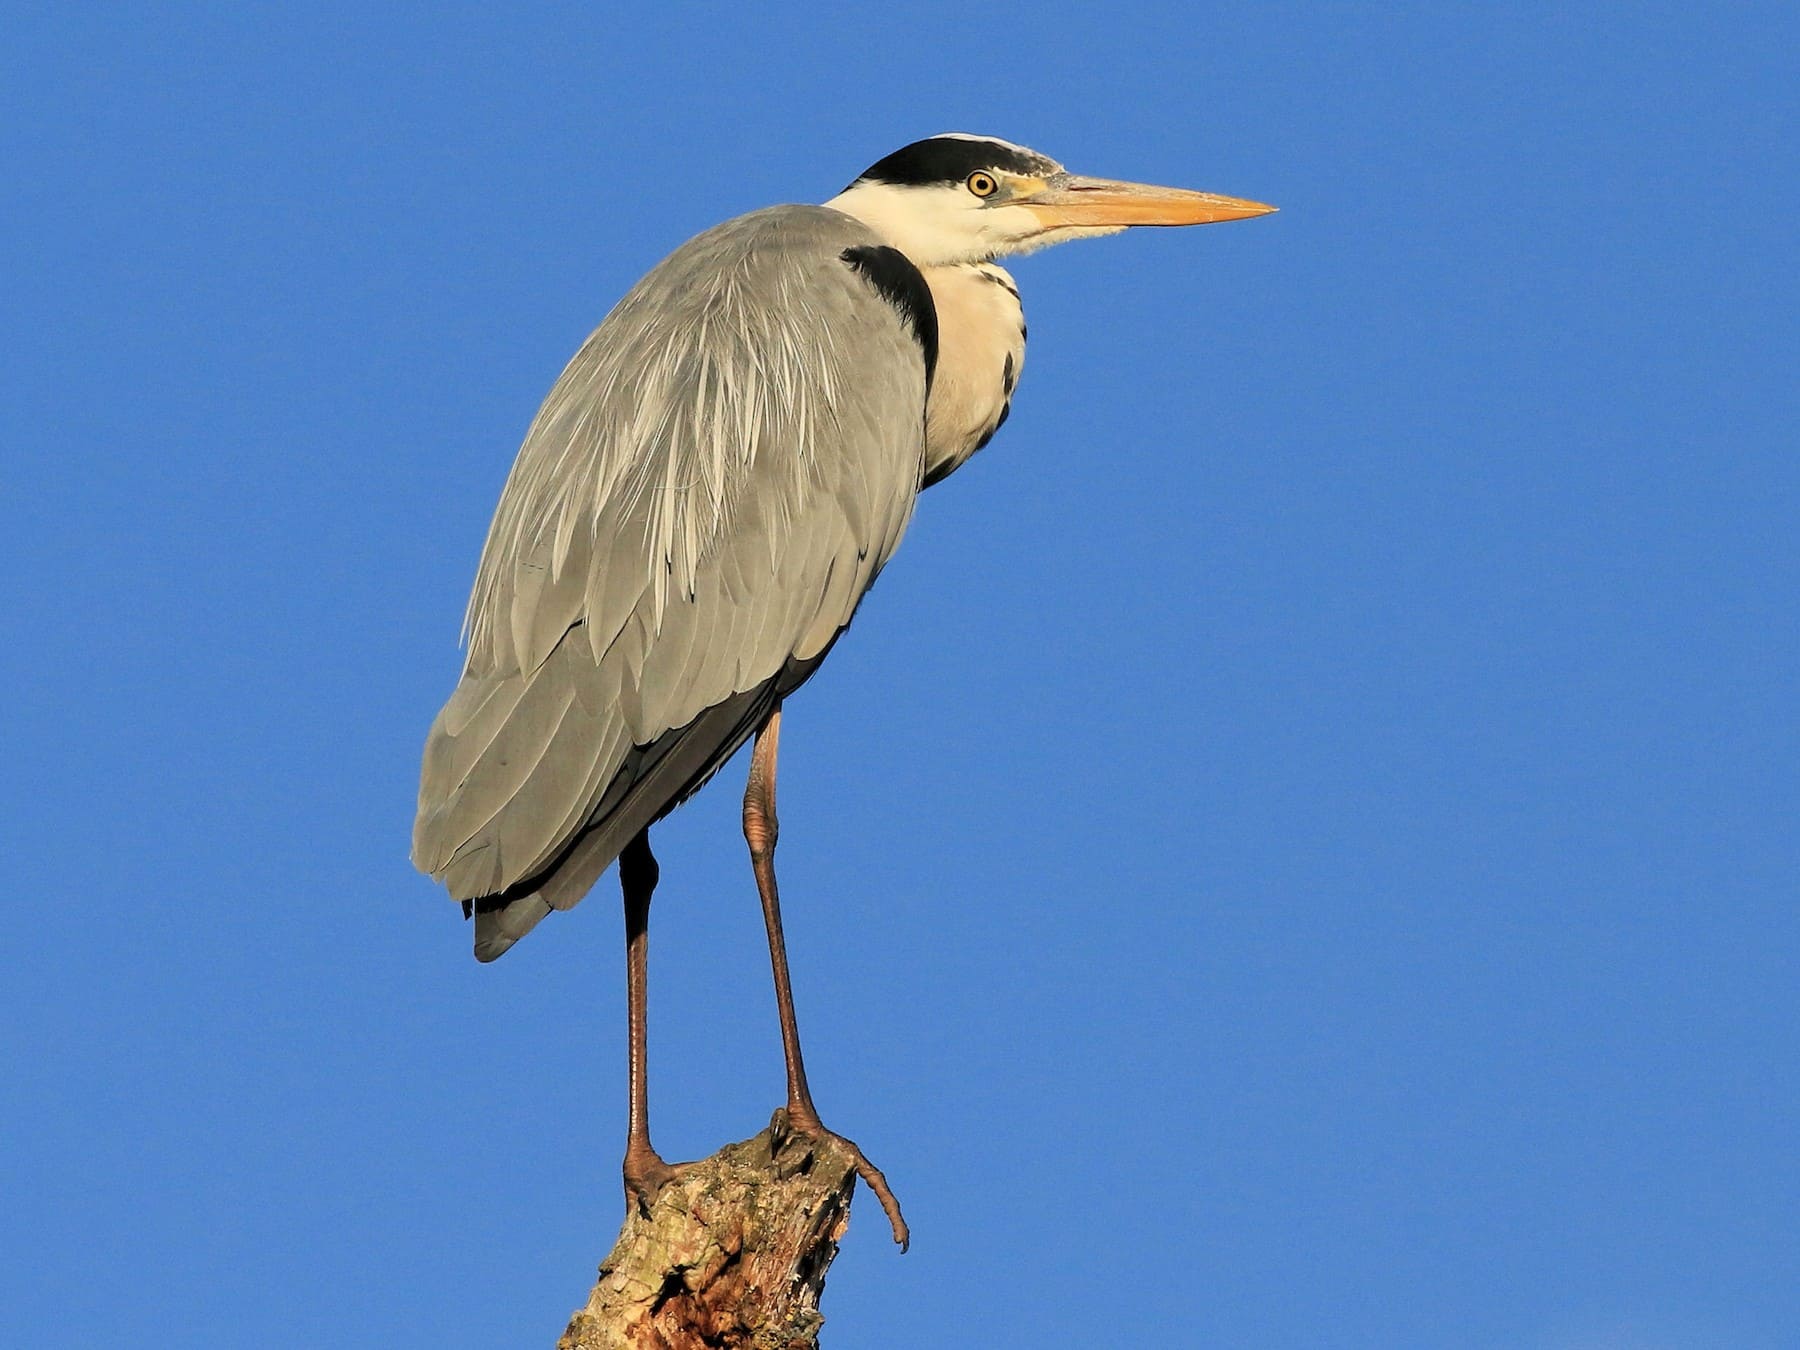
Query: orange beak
{"x": 1077, "y": 201}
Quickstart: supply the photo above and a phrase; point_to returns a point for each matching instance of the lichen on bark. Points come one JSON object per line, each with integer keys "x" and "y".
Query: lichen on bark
{"x": 731, "y": 1256}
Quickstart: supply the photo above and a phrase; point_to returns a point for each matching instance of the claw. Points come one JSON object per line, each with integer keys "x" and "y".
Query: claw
{"x": 645, "y": 1176}
{"x": 809, "y": 1126}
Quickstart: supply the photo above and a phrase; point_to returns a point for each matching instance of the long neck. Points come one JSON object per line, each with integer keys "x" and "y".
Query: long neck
{"x": 981, "y": 350}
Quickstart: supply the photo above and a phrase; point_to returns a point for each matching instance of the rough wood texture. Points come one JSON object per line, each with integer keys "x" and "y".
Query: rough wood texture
{"x": 732, "y": 1256}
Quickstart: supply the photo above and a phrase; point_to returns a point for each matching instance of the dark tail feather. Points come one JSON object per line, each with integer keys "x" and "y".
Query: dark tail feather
{"x": 498, "y": 928}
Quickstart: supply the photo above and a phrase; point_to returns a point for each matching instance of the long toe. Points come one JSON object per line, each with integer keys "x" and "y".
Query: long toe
{"x": 808, "y": 1126}
{"x": 645, "y": 1176}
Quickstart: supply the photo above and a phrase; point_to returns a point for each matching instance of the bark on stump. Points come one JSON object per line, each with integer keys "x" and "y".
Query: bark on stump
{"x": 732, "y": 1256}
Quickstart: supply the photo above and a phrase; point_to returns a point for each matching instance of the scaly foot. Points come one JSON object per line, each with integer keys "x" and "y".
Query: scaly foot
{"x": 645, "y": 1175}
{"x": 807, "y": 1125}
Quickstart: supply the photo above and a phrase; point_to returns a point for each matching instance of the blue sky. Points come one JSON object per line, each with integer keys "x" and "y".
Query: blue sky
{"x": 1298, "y": 850}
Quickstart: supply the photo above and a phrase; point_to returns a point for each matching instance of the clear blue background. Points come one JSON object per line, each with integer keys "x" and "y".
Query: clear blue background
{"x": 1299, "y": 850}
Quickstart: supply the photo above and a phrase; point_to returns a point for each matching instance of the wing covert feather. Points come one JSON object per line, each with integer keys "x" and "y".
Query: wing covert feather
{"x": 699, "y": 506}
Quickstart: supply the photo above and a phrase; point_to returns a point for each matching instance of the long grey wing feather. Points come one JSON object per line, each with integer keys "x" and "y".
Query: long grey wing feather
{"x": 544, "y": 607}
{"x": 501, "y": 773}
{"x": 697, "y": 510}
{"x": 660, "y": 771}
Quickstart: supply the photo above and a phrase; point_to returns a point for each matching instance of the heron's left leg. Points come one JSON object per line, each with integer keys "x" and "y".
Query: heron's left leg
{"x": 645, "y": 1171}
{"x": 760, "y": 831}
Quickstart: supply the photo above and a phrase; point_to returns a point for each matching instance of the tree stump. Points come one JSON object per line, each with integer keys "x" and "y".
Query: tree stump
{"x": 732, "y": 1256}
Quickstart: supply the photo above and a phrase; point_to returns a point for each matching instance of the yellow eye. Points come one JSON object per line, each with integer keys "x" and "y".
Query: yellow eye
{"x": 983, "y": 184}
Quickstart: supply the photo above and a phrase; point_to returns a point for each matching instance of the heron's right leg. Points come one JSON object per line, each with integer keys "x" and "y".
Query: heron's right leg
{"x": 760, "y": 832}
{"x": 645, "y": 1171}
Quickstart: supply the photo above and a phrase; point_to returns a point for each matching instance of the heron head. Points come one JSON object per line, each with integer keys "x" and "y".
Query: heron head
{"x": 958, "y": 198}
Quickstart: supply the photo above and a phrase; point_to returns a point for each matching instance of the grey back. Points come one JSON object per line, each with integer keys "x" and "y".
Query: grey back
{"x": 706, "y": 494}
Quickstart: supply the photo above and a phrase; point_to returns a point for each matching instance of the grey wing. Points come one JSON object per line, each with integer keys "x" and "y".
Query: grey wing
{"x": 709, "y": 489}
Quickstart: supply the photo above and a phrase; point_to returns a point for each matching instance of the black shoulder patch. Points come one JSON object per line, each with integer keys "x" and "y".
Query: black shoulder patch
{"x": 892, "y": 273}
{"x": 950, "y": 159}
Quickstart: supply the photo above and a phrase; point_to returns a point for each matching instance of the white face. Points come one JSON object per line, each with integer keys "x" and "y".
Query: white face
{"x": 963, "y": 199}
{"x": 938, "y": 224}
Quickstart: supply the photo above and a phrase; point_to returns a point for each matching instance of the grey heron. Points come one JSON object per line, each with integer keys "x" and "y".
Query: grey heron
{"x": 707, "y": 493}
